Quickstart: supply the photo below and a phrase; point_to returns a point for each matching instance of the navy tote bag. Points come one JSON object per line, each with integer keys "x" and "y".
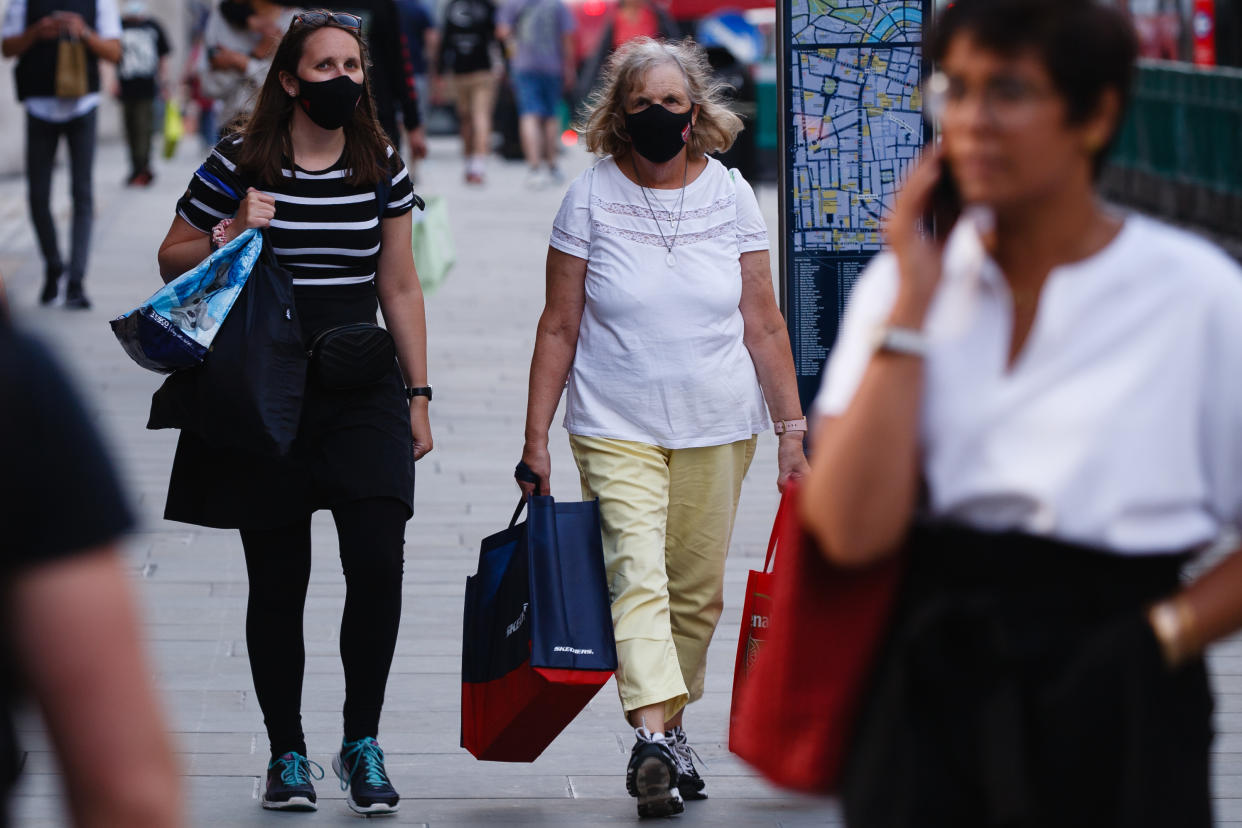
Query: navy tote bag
{"x": 537, "y": 634}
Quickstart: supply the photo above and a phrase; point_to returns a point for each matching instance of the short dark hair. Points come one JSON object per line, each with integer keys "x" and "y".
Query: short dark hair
{"x": 1088, "y": 47}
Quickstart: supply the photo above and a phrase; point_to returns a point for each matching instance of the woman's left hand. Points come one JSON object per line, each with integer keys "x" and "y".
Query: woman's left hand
{"x": 790, "y": 458}
{"x": 420, "y": 427}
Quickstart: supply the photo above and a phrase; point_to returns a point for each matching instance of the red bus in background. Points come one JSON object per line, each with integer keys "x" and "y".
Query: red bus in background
{"x": 592, "y": 16}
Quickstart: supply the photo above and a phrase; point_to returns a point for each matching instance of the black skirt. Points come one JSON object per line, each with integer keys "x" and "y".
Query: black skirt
{"x": 1021, "y": 685}
{"x": 351, "y": 444}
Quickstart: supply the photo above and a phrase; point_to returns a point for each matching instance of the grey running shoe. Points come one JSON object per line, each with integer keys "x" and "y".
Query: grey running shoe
{"x": 652, "y": 775}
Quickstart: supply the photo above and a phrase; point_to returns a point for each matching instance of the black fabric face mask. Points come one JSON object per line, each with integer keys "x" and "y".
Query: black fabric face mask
{"x": 658, "y": 134}
{"x": 331, "y": 103}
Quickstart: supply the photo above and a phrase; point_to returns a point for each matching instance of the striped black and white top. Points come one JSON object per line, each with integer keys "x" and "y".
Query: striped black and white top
{"x": 325, "y": 231}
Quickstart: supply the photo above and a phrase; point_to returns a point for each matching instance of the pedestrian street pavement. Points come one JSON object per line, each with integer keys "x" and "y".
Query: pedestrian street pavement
{"x": 192, "y": 585}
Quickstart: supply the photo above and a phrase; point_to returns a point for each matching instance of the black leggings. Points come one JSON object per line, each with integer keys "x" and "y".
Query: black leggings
{"x": 278, "y": 561}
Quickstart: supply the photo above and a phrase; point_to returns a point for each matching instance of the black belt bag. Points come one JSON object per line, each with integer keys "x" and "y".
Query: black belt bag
{"x": 351, "y": 356}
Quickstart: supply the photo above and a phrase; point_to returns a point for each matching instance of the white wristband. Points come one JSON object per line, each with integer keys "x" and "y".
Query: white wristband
{"x": 897, "y": 340}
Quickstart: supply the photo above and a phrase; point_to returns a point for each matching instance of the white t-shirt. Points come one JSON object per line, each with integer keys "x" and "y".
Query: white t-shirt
{"x": 1120, "y": 424}
{"x": 61, "y": 110}
{"x": 660, "y": 357}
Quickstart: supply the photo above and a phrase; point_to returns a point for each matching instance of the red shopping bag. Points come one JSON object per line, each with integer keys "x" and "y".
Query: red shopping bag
{"x": 810, "y": 631}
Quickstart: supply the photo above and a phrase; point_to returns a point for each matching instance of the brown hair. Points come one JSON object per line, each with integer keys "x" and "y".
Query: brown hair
{"x": 266, "y": 140}
{"x": 603, "y": 123}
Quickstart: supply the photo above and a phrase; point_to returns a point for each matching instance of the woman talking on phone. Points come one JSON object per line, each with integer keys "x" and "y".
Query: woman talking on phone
{"x": 310, "y": 168}
{"x": 1044, "y": 414}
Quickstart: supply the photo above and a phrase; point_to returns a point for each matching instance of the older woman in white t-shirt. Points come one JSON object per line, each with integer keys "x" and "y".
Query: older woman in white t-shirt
{"x": 661, "y": 315}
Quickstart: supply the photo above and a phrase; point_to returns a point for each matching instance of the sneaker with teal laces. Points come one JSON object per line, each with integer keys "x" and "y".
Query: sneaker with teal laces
{"x": 289, "y": 785}
{"x": 360, "y": 767}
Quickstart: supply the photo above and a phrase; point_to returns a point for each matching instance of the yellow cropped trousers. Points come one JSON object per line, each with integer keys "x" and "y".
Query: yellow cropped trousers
{"x": 667, "y": 518}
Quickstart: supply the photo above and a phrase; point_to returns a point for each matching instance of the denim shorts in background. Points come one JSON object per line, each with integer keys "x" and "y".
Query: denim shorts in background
{"x": 537, "y": 94}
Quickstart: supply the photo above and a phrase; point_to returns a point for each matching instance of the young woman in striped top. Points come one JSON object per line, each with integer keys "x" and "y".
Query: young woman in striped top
{"x": 309, "y": 169}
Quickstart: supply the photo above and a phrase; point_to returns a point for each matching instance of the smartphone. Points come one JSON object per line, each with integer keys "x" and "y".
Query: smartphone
{"x": 945, "y": 205}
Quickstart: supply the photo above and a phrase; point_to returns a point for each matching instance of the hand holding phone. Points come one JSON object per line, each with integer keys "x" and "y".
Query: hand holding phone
{"x": 928, "y": 200}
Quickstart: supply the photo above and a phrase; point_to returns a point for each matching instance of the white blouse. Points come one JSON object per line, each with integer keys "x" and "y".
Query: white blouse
{"x": 660, "y": 357}
{"x": 1120, "y": 424}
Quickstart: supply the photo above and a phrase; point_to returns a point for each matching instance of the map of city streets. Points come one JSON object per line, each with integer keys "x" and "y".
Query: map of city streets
{"x": 852, "y": 71}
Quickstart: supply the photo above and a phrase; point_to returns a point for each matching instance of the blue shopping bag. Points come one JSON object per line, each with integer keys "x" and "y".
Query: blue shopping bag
{"x": 537, "y": 640}
{"x": 175, "y": 327}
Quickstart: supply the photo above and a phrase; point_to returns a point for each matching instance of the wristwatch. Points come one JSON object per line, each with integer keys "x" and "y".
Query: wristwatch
{"x": 899, "y": 340}
{"x": 419, "y": 391}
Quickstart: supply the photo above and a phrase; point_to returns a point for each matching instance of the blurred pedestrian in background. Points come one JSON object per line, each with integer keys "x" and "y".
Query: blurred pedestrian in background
{"x": 421, "y": 37}
{"x": 141, "y": 75}
{"x": 466, "y": 67}
{"x": 661, "y": 315}
{"x": 58, "y": 45}
{"x": 1042, "y": 411}
{"x": 539, "y": 37}
{"x": 392, "y": 78}
{"x": 70, "y": 635}
{"x": 337, "y": 216}
{"x": 627, "y": 20}
{"x": 238, "y": 43}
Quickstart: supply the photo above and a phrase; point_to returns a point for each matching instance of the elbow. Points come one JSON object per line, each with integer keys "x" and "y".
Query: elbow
{"x": 850, "y": 542}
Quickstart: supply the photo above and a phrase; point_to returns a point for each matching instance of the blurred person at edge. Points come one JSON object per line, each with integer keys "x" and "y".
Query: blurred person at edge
{"x": 239, "y": 41}
{"x": 661, "y": 315}
{"x": 466, "y": 60}
{"x": 70, "y": 638}
{"x": 539, "y": 34}
{"x": 1043, "y": 412}
{"x": 628, "y": 19}
{"x": 31, "y": 32}
{"x": 392, "y": 78}
{"x": 355, "y": 450}
{"x": 140, "y": 77}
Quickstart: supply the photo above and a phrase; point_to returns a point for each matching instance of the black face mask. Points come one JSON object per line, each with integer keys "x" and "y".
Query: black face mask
{"x": 658, "y": 134}
{"x": 331, "y": 103}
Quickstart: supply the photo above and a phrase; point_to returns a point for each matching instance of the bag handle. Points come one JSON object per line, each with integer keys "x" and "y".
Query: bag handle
{"x": 789, "y": 500}
{"x": 524, "y": 474}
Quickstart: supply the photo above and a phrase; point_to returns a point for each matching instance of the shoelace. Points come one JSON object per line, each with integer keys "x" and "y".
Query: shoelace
{"x": 685, "y": 753}
{"x": 298, "y": 769}
{"x": 365, "y": 751}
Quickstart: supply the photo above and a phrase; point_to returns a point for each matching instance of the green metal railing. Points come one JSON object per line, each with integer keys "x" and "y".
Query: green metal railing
{"x": 1185, "y": 126}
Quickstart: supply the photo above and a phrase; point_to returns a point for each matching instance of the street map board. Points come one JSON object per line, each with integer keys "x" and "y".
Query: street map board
{"x": 851, "y": 72}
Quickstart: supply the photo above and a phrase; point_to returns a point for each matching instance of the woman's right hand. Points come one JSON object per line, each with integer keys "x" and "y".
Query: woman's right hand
{"x": 918, "y": 255}
{"x": 255, "y": 210}
{"x": 537, "y": 458}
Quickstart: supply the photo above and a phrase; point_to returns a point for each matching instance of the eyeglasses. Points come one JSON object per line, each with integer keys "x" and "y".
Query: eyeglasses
{"x": 345, "y": 19}
{"x": 1005, "y": 100}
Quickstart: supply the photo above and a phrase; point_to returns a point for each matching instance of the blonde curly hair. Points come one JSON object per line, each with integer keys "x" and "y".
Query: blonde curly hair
{"x": 602, "y": 125}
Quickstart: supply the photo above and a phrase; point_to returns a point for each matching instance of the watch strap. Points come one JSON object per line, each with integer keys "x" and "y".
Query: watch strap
{"x": 418, "y": 391}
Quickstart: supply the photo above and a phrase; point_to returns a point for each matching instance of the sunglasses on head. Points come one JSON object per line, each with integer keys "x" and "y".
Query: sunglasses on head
{"x": 344, "y": 19}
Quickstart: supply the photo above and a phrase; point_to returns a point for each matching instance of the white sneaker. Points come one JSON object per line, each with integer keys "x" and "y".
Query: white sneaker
{"x": 555, "y": 176}
{"x": 536, "y": 179}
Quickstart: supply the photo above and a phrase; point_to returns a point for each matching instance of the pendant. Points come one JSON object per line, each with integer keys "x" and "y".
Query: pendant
{"x": 670, "y": 259}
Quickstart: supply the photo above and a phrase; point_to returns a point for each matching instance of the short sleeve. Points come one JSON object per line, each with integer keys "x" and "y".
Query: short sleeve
{"x": 216, "y": 188}
{"x": 571, "y": 229}
{"x": 401, "y": 195}
{"x": 1222, "y": 397}
{"x": 752, "y": 231}
{"x": 868, "y": 306}
{"x": 107, "y": 19}
{"x": 14, "y": 19}
{"x": 54, "y": 461}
